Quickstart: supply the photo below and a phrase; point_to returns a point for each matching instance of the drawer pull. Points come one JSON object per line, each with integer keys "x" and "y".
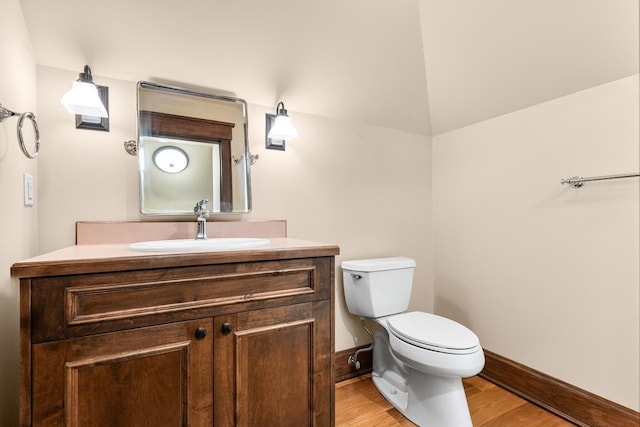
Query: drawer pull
{"x": 226, "y": 328}
{"x": 201, "y": 333}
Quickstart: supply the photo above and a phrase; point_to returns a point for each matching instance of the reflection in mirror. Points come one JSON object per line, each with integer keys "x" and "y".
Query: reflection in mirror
{"x": 171, "y": 159}
{"x": 192, "y": 145}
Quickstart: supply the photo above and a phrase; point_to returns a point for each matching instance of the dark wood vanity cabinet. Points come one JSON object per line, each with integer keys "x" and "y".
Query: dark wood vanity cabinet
{"x": 246, "y": 343}
{"x": 276, "y": 368}
{"x": 155, "y": 376}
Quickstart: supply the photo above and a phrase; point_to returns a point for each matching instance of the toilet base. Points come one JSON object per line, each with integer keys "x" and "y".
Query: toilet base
{"x": 425, "y": 399}
{"x": 433, "y": 401}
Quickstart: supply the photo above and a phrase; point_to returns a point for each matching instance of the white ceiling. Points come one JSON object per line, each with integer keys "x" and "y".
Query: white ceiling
{"x": 359, "y": 60}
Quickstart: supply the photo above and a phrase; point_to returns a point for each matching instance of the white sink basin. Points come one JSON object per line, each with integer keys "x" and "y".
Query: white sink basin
{"x": 208, "y": 245}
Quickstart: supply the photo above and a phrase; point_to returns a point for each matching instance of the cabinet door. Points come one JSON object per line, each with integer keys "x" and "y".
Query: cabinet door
{"x": 273, "y": 368}
{"x": 156, "y": 376}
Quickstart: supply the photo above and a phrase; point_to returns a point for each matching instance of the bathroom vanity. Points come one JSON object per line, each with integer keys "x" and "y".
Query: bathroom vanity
{"x": 110, "y": 336}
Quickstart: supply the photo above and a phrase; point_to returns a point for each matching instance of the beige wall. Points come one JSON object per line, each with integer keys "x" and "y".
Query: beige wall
{"x": 365, "y": 188}
{"x": 545, "y": 274}
{"x": 83, "y": 174}
{"x": 18, "y": 224}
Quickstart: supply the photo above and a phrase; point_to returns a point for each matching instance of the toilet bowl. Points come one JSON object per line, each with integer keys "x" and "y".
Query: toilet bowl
{"x": 419, "y": 359}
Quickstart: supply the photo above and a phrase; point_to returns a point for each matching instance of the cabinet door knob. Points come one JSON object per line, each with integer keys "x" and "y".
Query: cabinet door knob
{"x": 201, "y": 333}
{"x": 226, "y": 328}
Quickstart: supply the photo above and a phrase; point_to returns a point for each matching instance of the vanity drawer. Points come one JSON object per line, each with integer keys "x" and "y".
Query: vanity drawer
{"x": 76, "y": 305}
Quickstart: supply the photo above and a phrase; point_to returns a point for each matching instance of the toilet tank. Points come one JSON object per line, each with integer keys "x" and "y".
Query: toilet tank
{"x": 378, "y": 287}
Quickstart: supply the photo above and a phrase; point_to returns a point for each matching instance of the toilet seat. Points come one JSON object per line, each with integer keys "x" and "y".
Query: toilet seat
{"x": 433, "y": 332}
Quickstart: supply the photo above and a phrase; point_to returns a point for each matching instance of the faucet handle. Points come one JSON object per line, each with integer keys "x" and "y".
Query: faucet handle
{"x": 200, "y": 206}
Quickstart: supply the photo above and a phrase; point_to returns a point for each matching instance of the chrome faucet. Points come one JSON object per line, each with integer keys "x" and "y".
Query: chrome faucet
{"x": 200, "y": 209}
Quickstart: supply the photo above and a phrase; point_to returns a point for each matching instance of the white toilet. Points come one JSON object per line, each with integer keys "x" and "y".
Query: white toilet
{"x": 419, "y": 359}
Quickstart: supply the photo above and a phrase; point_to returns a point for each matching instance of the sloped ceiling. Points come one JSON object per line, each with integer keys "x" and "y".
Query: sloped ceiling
{"x": 485, "y": 58}
{"x": 422, "y": 66}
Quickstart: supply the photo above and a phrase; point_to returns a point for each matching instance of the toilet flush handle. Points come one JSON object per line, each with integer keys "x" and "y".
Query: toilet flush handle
{"x": 356, "y": 276}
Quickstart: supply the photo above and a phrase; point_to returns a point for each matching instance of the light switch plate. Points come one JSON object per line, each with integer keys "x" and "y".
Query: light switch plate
{"x": 28, "y": 189}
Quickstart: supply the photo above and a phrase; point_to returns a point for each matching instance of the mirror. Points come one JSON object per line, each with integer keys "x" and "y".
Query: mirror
{"x": 192, "y": 145}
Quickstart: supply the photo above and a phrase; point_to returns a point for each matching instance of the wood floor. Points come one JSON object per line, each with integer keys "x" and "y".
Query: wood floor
{"x": 358, "y": 403}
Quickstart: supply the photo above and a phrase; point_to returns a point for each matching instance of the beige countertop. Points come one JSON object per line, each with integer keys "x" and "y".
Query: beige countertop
{"x": 92, "y": 258}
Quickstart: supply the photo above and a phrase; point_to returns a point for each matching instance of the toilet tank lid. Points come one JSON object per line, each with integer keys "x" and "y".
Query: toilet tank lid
{"x": 379, "y": 264}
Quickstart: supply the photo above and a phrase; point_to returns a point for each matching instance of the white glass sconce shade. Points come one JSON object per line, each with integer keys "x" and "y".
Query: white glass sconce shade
{"x": 279, "y": 129}
{"x": 83, "y": 99}
{"x": 283, "y": 128}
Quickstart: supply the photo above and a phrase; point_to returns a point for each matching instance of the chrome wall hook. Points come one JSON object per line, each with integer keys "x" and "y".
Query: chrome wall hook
{"x": 6, "y": 113}
{"x": 253, "y": 158}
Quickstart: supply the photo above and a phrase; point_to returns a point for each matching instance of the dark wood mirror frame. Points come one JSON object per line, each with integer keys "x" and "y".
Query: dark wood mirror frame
{"x": 162, "y": 125}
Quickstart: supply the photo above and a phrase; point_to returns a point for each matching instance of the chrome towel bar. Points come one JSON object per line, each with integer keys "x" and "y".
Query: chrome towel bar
{"x": 578, "y": 181}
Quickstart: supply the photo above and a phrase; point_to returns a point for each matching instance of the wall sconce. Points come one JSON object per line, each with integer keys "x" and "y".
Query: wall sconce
{"x": 89, "y": 102}
{"x": 279, "y": 128}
